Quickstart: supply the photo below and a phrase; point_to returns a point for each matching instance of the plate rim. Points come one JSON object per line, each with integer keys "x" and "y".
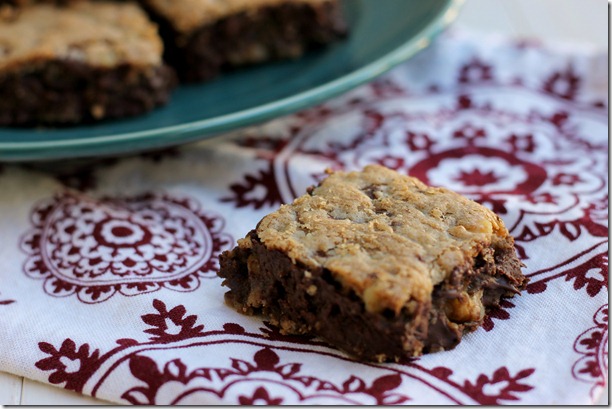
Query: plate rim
{"x": 209, "y": 127}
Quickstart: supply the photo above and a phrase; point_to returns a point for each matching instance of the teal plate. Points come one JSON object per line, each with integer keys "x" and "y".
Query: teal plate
{"x": 383, "y": 34}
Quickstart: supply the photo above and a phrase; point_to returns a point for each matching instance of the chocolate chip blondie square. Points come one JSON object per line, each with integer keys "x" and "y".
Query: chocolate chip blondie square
{"x": 204, "y": 37}
{"x": 79, "y": 62}
{"x": 376, "y": 263}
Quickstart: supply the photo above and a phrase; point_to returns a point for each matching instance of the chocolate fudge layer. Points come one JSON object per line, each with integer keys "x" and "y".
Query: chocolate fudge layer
{"x": 377, "y": 263}
{"x": 204, "y": 37}
{"x": 80, "y": 62}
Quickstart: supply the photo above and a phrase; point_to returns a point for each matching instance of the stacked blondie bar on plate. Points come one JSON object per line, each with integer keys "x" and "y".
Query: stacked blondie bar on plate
{"x": 73, "y": 61}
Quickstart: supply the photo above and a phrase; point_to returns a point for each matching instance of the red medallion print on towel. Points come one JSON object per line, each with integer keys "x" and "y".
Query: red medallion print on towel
{"x": 250, "y": 381}
{"x": 262, "y": 378}
{"x": 499, "y": 388}
{"x": 588, "y": 271}
{"x": 592, "y": 344}
{"x": 96, "y": 248}
{"x": 184, "y": 360}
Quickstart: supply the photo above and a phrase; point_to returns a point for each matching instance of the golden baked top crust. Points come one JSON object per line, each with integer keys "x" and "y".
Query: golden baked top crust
{"x": 189, "y": 15}
{"x": 387, "y": 236}
{"x": 98, "y": 33}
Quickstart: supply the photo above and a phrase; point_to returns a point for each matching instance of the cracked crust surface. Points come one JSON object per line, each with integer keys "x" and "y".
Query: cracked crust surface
{"x": 388, "y": 237}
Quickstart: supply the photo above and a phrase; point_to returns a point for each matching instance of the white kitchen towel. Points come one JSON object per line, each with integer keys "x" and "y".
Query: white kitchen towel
{"x": 108, "y": 280}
